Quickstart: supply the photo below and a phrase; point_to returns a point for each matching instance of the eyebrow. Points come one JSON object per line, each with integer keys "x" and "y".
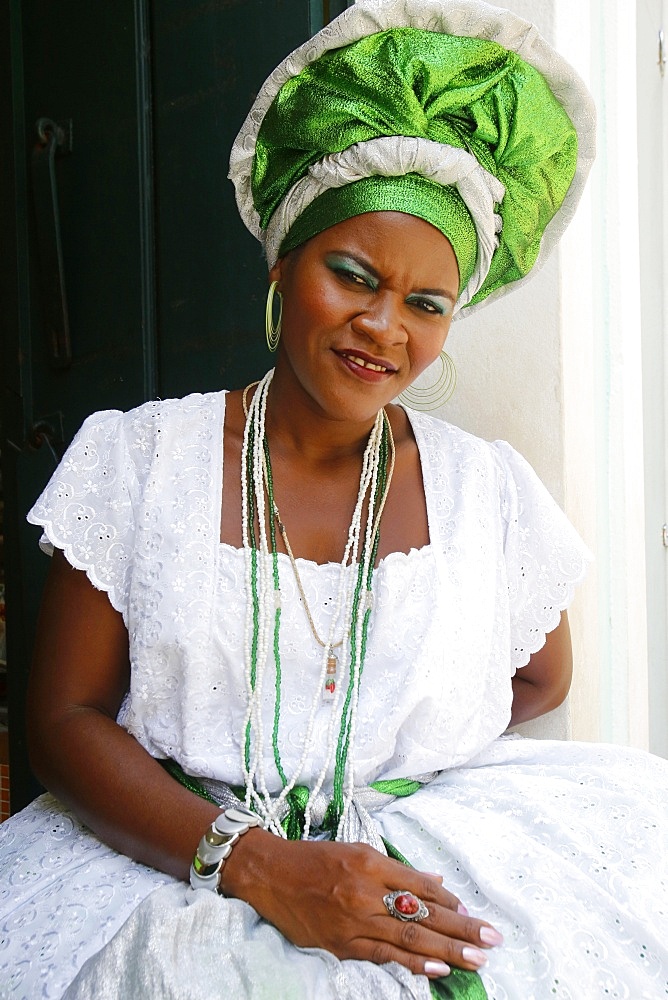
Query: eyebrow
{"x": 441, "y": 293}
{"x": 438, "y": 292}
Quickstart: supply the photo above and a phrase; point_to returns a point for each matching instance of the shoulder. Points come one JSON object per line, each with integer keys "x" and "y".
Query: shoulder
{"x": 158, "y": 411}
{"x": 456, "y": 461}
{"x": 438, "y": 437}
{"x": 124, "y": 450}
{"x": 142, "y": 428}
{"x": 164, "y": 412}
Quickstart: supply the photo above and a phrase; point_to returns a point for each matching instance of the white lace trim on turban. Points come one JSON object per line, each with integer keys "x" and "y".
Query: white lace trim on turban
{"x": 395, "y": 156}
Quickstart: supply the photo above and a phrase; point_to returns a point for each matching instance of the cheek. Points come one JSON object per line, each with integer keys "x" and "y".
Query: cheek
{"x": 424, "y": 351}
{"x": 425, "y": 346}
{"x": 316, "y": 307}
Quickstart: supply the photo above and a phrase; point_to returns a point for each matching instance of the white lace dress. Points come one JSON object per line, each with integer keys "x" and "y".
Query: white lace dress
{"x": 562, "y": 846}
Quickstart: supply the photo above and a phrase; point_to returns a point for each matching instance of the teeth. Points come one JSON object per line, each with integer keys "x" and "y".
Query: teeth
{"x": 365, "y": 364}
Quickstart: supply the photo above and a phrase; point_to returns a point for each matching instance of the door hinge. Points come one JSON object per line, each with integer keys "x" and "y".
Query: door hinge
{"x": 665, "y": 535}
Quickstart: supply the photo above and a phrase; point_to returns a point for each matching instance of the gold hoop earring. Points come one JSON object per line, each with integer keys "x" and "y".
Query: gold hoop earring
{"x": 433, "y": 396}
{"x": 273, "y": 333}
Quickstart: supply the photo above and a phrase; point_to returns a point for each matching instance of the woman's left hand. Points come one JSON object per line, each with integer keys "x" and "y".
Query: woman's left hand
{"x": 328, "y": 895}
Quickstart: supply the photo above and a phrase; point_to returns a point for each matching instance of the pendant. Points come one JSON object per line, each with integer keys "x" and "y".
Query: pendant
{"x": 330, "y": 677}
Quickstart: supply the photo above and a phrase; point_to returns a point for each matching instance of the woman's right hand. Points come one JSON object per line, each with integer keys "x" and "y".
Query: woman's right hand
{"x": 328, "y": 895}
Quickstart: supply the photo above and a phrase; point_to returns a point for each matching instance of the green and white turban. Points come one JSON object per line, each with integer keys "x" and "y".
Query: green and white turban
{"x": 451, "y": 110}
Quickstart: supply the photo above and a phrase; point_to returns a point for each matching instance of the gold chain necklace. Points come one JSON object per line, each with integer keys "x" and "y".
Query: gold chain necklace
{"x": 332, "y": 659}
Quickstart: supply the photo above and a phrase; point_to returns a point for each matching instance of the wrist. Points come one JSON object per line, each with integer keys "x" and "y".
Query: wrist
{"x": 216, "y": 846}
{"x": 248, "y": 873}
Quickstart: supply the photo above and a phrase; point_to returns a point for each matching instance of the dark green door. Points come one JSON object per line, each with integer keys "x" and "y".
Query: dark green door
{"x": 125, "y": 273}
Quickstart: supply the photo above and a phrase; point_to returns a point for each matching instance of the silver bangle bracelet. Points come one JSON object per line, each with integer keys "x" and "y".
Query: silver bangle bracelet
{"x": 216, "y": 846}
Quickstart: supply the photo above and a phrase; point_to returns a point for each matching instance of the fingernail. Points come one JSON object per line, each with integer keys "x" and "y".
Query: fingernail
{"x": 489, "y": 936}
{"x": 474, "y": 957}
{"x": 434, "y": 875}
{"x": 436, "y": 969}
{"x": 462, "y": 909}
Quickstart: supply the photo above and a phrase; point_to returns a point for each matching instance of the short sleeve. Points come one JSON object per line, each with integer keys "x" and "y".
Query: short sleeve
{"x": 86, "y": 509}
{"x": 545, "y": 557}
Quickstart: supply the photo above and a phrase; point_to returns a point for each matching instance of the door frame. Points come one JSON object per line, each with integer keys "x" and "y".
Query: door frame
{"x": 653, "y": 205}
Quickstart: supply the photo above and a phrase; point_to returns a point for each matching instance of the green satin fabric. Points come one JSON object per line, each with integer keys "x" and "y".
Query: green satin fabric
{"x": 466, "y": 92}
{"x": 460, "y": 984}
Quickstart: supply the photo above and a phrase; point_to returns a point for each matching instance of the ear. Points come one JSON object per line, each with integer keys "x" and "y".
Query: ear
{"x": 276, "y": 272}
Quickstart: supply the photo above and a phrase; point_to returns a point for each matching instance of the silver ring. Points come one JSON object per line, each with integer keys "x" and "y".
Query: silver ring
{"x": 405, "y": 905}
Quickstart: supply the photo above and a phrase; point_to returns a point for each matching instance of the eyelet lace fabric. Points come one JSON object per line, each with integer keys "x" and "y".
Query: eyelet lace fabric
{"x": 560, "y": 845}
{"x": 136, "y": 504}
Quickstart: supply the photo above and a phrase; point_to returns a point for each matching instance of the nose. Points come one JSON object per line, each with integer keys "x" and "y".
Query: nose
{"x": 381, "y": 319}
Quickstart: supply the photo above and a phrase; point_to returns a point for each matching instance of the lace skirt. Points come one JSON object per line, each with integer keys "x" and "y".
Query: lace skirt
{"x": 562, "y": 846}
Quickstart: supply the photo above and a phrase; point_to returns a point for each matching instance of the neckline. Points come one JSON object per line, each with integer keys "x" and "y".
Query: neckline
{"x": 309, "y": 564}
{"x": 415, "y": 420}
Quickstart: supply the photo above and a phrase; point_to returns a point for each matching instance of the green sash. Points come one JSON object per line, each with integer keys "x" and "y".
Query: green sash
{"x": 460, "y": 984}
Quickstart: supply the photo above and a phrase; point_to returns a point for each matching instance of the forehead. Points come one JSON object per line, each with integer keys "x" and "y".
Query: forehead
{"x": 392, "y": 242}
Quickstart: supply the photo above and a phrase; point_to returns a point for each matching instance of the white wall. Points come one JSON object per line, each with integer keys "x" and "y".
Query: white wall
{"x": 556, "y": 369}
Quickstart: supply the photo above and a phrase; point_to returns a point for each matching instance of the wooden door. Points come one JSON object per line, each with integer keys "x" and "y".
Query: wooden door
{"x": 149, "y": 285}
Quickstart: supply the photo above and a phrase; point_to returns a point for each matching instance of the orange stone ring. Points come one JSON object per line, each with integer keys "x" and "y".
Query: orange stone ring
{"x": 404, "y": 905}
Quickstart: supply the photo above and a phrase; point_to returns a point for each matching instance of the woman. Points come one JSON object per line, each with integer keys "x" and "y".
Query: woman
{"x": 323, "y": 611}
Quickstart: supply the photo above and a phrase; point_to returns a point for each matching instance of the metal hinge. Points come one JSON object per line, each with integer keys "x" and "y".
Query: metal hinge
{"x": 665, "y": 535}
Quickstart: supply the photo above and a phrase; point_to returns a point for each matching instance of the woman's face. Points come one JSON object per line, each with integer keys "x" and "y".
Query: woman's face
{"x": 367, "y": 305}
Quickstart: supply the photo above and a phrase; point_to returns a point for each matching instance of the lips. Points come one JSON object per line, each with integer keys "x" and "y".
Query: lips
{"x": 368, "y": 363}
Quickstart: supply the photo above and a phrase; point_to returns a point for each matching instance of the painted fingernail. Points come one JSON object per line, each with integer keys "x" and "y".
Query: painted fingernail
{"x": 474, "y": 957}
{"x": 462, "y": 909}
{"x": 436, "y": 969}
{"x": 489, "y": 936}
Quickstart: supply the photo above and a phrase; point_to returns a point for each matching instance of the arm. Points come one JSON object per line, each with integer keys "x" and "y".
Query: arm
{"x": 318, "y": 894}
{"x": 544, "y": 683}
{"x": 79, "y": 675}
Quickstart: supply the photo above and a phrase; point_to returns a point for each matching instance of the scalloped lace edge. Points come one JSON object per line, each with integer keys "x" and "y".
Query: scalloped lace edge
{"x": 549, "y": 621}
{"x": 89, "y": 569}
{"x": 392, "y": 557}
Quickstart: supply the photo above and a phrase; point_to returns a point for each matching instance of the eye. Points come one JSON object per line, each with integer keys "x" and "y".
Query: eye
{"x": 352, "y": 276}
{"x": 427, "y": 306}
{"x": 351, "y": 272}
{"x": 432, "y": 306}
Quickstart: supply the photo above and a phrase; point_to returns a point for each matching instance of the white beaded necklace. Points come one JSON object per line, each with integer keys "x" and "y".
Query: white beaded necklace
{"x": 259, "y": 572}
{"x": 331, "y": 678}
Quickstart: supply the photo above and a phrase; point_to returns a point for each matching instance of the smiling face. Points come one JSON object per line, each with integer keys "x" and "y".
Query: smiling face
{"x": 367, "y": 305}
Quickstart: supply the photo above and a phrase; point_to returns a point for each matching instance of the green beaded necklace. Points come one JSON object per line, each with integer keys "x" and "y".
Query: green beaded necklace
{"x": 295, "y": 823}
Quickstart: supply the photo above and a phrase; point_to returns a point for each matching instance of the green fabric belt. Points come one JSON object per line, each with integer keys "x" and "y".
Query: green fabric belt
{"x": 460, "y": 984}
